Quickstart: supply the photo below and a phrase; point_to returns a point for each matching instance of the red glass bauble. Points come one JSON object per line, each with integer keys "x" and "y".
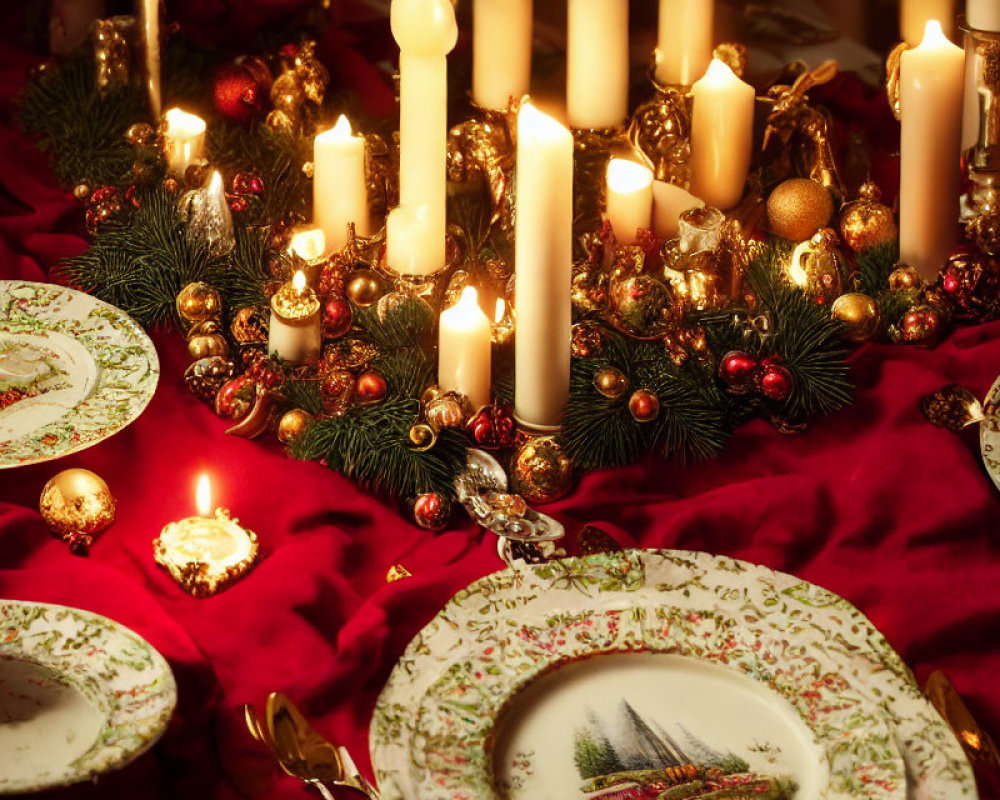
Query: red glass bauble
{"x": 776, "y": 382}
{"x": 370, "y": 387}
{"x": 738, "y": 370}
{"x": 237, "y": 93}
{"x": 431, "y": 511}
{"x": 492, "y": 427}
{"x": 337, "y": 316}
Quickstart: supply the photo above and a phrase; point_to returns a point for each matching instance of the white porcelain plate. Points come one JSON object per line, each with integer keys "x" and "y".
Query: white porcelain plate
{"x": 989, "y": 433}
{"x": 79, "y": 695}
{"x": 656, "y": 675}
{"x": 92, "y": 371}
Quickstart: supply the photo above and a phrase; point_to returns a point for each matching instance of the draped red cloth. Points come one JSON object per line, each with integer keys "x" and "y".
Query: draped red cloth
{"x": 895, "y": 515}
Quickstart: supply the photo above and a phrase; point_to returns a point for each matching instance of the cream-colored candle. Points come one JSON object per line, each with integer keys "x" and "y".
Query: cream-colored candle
{"x": 295, "y": 335}
{"x": 501, "y": 51}
{"x": 721, "y": 136}
{"x": 684, "y": 44}
{"x": 543, "y": 258}
{"x": 309, "y": 244}
{"x": 408, "y": 238}
{"x": 464, "y": 350}
{"x": 629, "y": 198}
{"x": 915, "y": 14}
{"x": 597, "y": 63}
{"x": 150, "y": 22}
{"x": 340, "y": 191}
{"x": 426, "y": 32}
{"x": 184, "y": 140}
{"x": 669, "y": 202}
{"x": 983, "y": 15}
{"x": 930, "y": 96}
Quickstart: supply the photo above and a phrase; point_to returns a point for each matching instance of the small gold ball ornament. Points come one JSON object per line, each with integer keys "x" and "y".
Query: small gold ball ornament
{"x": 904, "y": 277}
{"x": 76, "y": 504}
{"x": 292, "y": 424}
{"x": 198, "y": 301}
{"x": 207, "y": 344}
{"x": 611, "y": 383}
{"x": 865, "y": 222}
{"x": 141, "y": 134}
{"x": 859, "y": 315}
{"x": 364, "y": 288}
{"x": 82, "y": 191}
{"x": 541, "y": 471}
{"x": 798, "y": 207}
{"x": 449, "y": 410}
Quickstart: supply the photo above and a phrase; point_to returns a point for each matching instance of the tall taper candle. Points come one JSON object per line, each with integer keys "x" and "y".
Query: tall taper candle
{"x": 426, "y": 32}
{"x": 684, "y": 43}
{"x": 543, "y": 257}
{"x": 340, "y": 191}
{"x": 465, "y": 350}
{"x": 597, "y": 63}
{"x": 930, "y": 97}
{"x": 150, "y": 21}
{"x": 721, "y": 136}
{"x": 501, "y": 51}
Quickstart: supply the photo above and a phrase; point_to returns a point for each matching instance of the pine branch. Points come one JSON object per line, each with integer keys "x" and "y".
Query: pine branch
{"x": 412, "y": 323}
{"x": 874, "y": 265}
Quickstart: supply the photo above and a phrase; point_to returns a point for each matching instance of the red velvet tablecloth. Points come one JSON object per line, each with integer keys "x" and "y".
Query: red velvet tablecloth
{"x": 873, "y": 503}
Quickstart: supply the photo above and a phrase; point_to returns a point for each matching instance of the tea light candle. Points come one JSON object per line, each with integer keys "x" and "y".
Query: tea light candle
{"x": 543, "y": 258}
{"x": 184, "y": 140}
{"x": 340, "y": 190}
{"x": 721, "y": 136}
{"x": 295, "y": 334}
{"x": 149, "y": 15}
{"x": 915, "y": 14}
{"x": 684, "y": 41}
{"x": 931, "y": 78}
{"x": 464, "y": 349}
{"x": 597, "y": 63}
{"x": 501, "y": 51}
{"x": 629, "y": 198}
{"x": 205, "y": 554}
{"x": 669, "y": 202}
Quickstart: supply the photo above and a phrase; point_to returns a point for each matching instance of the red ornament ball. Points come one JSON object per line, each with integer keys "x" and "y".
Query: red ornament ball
{"x": 431, "y": 511}
{"x": 972, "y": 282}
{"x": 922, "y": 325}
{"x": 644, "y": 405}
{"x": 370, "y": 388}
{"x": 234, "y": 399}
{"x": 238, "y": 94}
{"x": 776, "y": 382}
{"x": 238, "y": 204}
{"x": 337, "y": 316}
{"x": 492, "y": 427}
{"x": 738, "y": 370}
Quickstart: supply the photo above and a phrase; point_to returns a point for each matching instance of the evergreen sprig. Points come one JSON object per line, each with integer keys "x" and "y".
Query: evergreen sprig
{"x": 874, "y": 265}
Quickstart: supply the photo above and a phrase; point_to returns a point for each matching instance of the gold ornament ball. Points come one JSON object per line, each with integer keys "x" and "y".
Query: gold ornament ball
{"x": 198, "y": 301}
{"x": 541, "y": 471}
{"x": 292, "y": 424}
{"x": 799, "y": 207}
{"x": 865, "y": 222}
{"x": 611, "y": 383}
{"x": 364, "y": 288}
{"x": 859, "y": 315}
{"x": 206, "y": 345}
{"x": 904, "y": 277}
{"x": 77, "y": 501}
{"x": 141, "y": 134}
{"x": 450, "y": 410}
{"x": 82, "y": 191}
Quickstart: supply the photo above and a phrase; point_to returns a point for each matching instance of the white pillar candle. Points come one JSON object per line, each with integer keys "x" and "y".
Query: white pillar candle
{"x": 295, "y": 334}
{"x": 930, "y": 98}
{"x": 501, "y": 51}
{"x": 984, "y": 15}
{"x": 915, "y": 14}
{"x": 340, "y": 190}
{"x": 721, "y": 136}
{"x": 465, "y": 350}
{"x": 684, "y": 42}
{"x": 669, "y": 202}
{"x": 426, "y": 32}
{"x": 597, "y": 63}
{"x": 543, "y": 258}
{"x": 629, "y": 198}
{"x": 184, "y": 140}
{"x": 150, "y": 22}
{"x": 409, "y": 238}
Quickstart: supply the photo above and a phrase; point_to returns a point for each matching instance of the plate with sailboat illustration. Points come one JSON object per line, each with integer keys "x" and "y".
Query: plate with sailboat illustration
{"x": 656, "y": 675}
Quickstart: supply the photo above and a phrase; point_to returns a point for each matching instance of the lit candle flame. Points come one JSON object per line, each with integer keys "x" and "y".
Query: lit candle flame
{"x": 719, "y": 72}
{"x": 299, "y": 281}
{"x": 469, "y": 297}
{"x": 342, "y": 130}
{"x": 215, "y": 184}
{"x": 308, "y": 244}
{"x": 203, "y": 496}
{"x": 180, "y": 121}
{"x": 934, "y": 35}
{"x": 501, "y": 310}
{"x": 628, "y": 177}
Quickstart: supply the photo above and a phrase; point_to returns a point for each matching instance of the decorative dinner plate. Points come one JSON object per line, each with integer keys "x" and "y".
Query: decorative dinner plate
{"x": 79, "y": 695}
{"x": 656, "y": 675}
{"x": 989, "y": 433}
{"x": 73, "y": 371}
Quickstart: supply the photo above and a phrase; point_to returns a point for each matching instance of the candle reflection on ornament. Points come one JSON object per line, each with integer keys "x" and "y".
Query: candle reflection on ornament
{"x": 206, "y": 553}
{"x": 295, "y": 333}
{"x": 183, "y": 140}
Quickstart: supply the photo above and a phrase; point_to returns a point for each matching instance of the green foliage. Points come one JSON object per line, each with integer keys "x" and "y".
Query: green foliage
{"x": 874, "y": 266}
{"x": 594, "y": 758}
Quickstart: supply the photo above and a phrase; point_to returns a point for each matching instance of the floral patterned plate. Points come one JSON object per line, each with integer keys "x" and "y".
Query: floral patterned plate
{"x": 989, "y": 433}
{"x": 715, "y": 678}
{"x": 79, "y": 695}
{"x": 91, "y": 370}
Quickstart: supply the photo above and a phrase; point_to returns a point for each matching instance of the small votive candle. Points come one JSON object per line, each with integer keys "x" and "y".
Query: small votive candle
{"x": 308, "y": 248}
{"x": 295, "y": 334}
{"x": 465, "y": 349}
{"x": 629, "y": 198}
{"x": 184, "y": 140}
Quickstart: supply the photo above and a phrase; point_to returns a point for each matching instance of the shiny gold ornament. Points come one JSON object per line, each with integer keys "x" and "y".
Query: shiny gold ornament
{"x": 611, "y": 383}
{"x": 297, "y": 93}
{"x": 659, "y": 133}
{"x": 541, "y": 471}
{"x": 589, "y": 290}
{"x": 82, "y": 191}
{"x": 206, "y": 376}
{"x": 198, "y": 301}
{"x": 450, "y": 410}
{"x": 892, "y": 77}
{"x": 984, "y": 230}
{"x": 952, "y": 407}
{"x": 904, "y": 277}
{"x": 817, "y": 267}
{"x": 586, "y": 339}
{"x": 798, "y": 207}
{"x": 859, "y": 315}
{"x": 797, "y": 136}
{"x": 482, "y": 150}
{"x": 383, "y": 175}
{"x": 141, "y": 134}
{"x": 865, "y": 222}
{"x": 431, "y": 393}
{"x": 112, "y": 54}
{"x": 364, "y": 287}
{"x": 422, "y": 436}
{"x": 350, "y": 354}
{"x": 396, "y": 573}
{"x": 250, "y": 326}
{"x": 76, "y": 504}
{"x": 206, "y": 345}
{"x": 292, "y": 424}
{"x": 640, "y": 306}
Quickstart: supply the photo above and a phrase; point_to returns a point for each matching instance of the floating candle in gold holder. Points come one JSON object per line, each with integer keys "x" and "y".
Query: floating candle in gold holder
{"x": 207, "y": 553}
{"x": 295, "y": 333}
